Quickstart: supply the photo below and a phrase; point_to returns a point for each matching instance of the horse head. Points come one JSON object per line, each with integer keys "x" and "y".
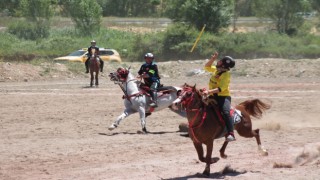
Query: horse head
{"x": 189, "y": 97}
{"x": 120, "y": 76}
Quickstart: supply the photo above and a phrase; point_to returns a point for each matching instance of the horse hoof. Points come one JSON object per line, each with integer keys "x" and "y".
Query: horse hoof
{"x": 206, "y": 173}
{"x": 214, "y": 160}
{"x": 183, "y": 127}
{"x": 141, "y": 132}
{"x": 144, "y": 130}
{"x": 264, "y": 153}
{"x": 223, "y": 156}
{"x": 112, "y": 127}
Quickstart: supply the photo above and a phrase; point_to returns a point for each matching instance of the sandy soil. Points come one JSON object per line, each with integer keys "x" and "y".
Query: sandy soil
{"x": 54, "y": 127}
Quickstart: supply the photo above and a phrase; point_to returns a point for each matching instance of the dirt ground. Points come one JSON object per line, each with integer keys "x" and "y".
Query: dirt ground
{"x": 53, "y": 126}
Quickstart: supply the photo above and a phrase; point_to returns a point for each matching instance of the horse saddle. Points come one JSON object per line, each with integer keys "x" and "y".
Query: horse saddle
{"x": 166, "y": 89}
{"x": 234, "y": 113}
{"x": 162, "y": 89}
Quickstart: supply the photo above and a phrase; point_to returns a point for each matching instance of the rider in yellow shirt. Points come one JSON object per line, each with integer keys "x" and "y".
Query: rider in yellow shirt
{"x": 219, "y": 88}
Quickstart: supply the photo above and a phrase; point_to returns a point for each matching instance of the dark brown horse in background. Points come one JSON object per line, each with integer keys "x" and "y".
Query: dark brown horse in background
{"x": 94, "y": 67}
{"x": 205, "y": 125}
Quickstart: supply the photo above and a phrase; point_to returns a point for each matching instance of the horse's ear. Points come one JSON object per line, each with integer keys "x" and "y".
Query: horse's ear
{"x": 179, "y": 92}
{"x": 194, "y": 87}
{"x": 129, "y": 68}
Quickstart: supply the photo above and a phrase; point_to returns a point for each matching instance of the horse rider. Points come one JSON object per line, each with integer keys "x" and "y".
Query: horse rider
{"x": 149, "y": 72}
{"x": 93, "y": 46}
{"x": 219, "y": 88}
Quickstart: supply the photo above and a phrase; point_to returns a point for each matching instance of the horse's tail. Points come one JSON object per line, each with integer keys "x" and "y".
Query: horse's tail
{"x": 255, "y": 107}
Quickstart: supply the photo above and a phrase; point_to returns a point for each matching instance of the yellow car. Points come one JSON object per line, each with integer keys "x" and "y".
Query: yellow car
{"x": 109, "y": 55}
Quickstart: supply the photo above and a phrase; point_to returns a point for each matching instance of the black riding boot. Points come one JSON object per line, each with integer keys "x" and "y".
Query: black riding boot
{"x": 101, "y": 65}
{"x": 87, "y": 66}
{"x": 154, "y": 99}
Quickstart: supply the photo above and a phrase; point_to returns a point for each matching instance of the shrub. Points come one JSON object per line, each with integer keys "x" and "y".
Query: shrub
{"x": 29, "y": 30}
{"x": 178, "y": 40}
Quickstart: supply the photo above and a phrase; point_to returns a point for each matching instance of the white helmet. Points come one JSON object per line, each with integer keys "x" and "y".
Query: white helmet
{"x": 149, "y": 55}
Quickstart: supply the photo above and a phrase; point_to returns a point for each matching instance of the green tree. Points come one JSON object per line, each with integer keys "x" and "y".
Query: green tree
{"x": 9, "y": 6}
{"x": 315, "y": 5}
{"x": 126, "y": 8}
{"x": 38, "y": 11}
{"x": 216, "y": 14}
{"x": 283, "y": 12}
{"x": 86, "y": 14}
{"x": 244, "y": 8}
{"x": 38, "y": 14}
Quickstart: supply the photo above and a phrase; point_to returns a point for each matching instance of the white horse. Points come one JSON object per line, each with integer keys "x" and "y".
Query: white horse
{"x": 137, "y": 99}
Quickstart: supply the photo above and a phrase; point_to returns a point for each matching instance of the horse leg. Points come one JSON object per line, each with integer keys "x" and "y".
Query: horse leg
{"x": 208, "y": 160}
{"x": 223, "y": 149}
{"x": 142, "y": 113}
{"x": 261, "y": 149}
{"x": 97, "y": 78}
{"x": 199, "y": 150}
{"x": 116, "y": 123}
{"x": 91, "y": 78}
{"x": 206, "y": 171}
{"x": 244, "y": 129}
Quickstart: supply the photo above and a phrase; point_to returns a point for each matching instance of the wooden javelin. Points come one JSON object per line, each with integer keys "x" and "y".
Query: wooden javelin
{"x": 196, "y": 42}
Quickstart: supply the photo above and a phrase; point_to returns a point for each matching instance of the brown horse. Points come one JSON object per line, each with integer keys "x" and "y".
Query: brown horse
{"x": 94, "y": 66}
{"x": 205, "y": 124}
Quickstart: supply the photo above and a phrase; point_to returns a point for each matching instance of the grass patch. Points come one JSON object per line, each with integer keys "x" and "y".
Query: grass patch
{"x": 173, "y": 43}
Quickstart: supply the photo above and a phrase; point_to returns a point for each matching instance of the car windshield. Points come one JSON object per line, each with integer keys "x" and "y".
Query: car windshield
{"x": 77, "y": 53}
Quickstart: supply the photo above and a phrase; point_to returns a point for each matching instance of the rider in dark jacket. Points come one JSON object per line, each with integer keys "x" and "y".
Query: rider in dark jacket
{"x": 149, "y": 72}
{"x": 93, "y": 46}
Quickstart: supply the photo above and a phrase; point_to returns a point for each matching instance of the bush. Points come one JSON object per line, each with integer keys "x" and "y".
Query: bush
{"x": 29, "y": 30}
{"x": 143, "y": 44}
{"x": 178, "y": 41}
{"x": 174, "y": 43}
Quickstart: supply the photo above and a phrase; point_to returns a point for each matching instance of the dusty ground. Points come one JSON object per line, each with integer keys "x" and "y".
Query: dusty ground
{"x": 54, "y": 127}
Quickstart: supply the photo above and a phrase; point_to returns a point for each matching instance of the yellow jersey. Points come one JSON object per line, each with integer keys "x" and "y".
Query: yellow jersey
{"x": 218, "y": 80}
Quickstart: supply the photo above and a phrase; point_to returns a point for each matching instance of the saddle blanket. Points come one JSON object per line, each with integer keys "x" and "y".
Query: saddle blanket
{"x": 236, "y": 115}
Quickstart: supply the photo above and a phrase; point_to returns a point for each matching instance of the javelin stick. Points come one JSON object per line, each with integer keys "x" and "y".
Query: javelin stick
{"x": 196, "y": 42}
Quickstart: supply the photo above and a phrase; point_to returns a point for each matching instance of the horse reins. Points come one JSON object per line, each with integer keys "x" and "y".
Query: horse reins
{"x": 126, "y": 96}
{"x": 186, "y": 103}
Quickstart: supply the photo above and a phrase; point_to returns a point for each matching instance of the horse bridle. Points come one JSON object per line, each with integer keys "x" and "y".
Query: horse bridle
{"x": 120, "y": 77}
{"x": 186, "y": 97}
{"x": 186, "y": 102}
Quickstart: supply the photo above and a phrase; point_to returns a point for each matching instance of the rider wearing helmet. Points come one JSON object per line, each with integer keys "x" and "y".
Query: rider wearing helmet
{"x": 149, "y": 72}
{"x": 227, "y": 62}
{"x": 219, "y": 88}
{"x": 93, "y": 46}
